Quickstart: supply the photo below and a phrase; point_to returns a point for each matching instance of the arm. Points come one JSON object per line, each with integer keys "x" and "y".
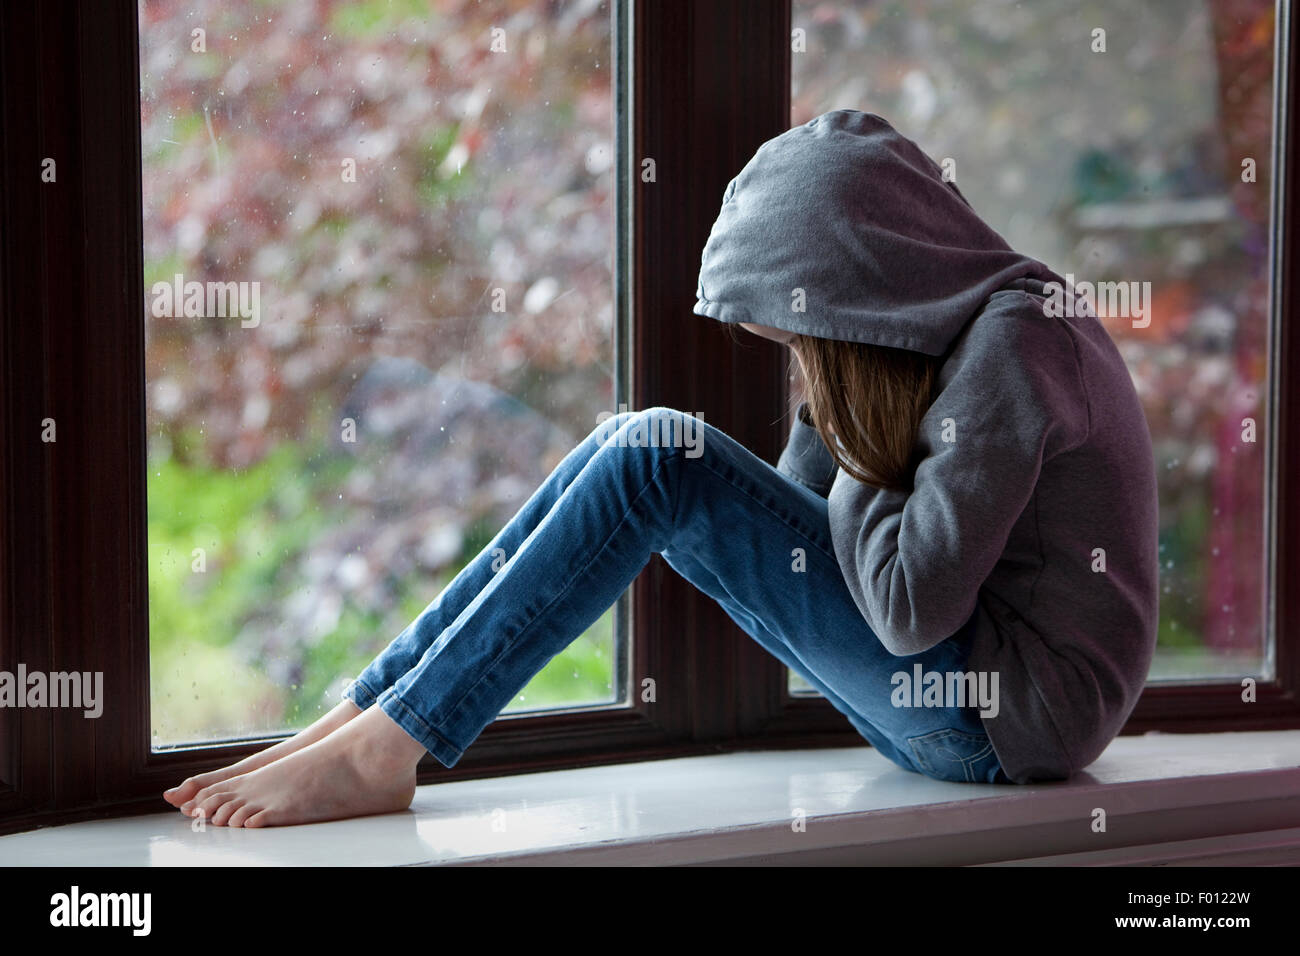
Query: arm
{"x": 805, "y": 457}
{"x": 1011, "y": 398}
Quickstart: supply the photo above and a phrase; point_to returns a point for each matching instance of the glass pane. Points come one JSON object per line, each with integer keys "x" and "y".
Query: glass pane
{"x": 411, "y": 202}
{"x": 1150, "y": 159}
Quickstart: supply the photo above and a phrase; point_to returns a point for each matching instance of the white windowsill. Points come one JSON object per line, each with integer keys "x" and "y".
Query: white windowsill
{"x": 1188, "y": 798}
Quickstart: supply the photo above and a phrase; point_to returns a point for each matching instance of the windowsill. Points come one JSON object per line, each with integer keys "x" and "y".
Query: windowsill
{"x": 1187, "y": 798}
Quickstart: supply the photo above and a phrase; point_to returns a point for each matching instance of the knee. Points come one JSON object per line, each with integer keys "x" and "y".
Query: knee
{"x": 608, "y": 424}
{"x": 662, "y": 430}
{"x": 659, "y": 430}
{"x": 654, "y": 427}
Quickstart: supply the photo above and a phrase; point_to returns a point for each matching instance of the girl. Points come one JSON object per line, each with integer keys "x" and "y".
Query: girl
{"x": 970, "y": 482}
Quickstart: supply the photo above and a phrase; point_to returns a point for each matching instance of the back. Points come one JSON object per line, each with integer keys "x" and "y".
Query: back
{"x": 1070, "y": 613}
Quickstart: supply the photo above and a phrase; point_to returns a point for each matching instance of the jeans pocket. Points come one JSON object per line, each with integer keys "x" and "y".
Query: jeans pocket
{"x": 955, "y": 755}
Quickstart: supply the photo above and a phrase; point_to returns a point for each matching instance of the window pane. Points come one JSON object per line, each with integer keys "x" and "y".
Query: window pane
{"x": 412, "y": 202}
{"x": 1129, "y": 164}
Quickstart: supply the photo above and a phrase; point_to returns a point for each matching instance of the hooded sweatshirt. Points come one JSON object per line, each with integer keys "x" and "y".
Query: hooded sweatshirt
{"x": 1033, "y": 512}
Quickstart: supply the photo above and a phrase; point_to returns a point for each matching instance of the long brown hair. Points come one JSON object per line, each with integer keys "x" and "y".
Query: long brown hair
{"x": 872, "y": 398}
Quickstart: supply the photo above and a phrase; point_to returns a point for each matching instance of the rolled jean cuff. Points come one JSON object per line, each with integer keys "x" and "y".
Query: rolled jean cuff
{"x": 359, "y": 694}
{"x": 446, "y": 753}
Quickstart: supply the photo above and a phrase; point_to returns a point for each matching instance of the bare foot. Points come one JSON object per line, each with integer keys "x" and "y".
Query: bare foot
{"x": 365, "y": 767}
{"x": 336, "y": 718}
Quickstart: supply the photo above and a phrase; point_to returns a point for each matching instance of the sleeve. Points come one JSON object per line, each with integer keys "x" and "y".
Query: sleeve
{"x": 805, "y": 457}
{"x": 915, "y": 561}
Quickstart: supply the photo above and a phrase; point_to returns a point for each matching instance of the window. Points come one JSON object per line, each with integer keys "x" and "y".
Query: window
{"x": 691, "y": 90}
{"x": 414, "y": 204}
{"x": 1140, "y": 154}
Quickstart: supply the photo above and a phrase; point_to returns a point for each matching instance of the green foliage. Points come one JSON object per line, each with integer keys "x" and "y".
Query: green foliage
{"x": 161, "y": 270}
{"x": 248, "y": 524}
{"x": 256, "y": 525}
{"x": 1183, "y": 547}
{"x": 370, "y": 18}
{"x": 436, "y": 186}
{"x": 184, "y": 126}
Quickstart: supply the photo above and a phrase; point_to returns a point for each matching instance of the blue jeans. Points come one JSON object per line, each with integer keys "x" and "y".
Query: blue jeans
{"x": 742, "y": 532}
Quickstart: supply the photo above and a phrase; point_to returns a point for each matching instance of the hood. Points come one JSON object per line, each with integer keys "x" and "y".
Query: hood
{"x": 856, "y": 216}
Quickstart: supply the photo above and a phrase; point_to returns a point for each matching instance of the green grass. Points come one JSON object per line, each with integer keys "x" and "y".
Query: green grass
{"x": 252, "y": 526}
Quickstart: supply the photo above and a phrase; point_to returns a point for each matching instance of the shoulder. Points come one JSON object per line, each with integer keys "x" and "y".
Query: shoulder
{"x": 1013, "y": 324}
{"x": 1013, "y": 357}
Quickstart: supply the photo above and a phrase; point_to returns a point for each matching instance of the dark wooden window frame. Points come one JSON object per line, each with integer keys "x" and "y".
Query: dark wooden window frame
{"x": 713, "y": 85}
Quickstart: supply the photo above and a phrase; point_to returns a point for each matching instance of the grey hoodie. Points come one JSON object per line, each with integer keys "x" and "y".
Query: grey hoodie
{"x": 1034, "y": 503}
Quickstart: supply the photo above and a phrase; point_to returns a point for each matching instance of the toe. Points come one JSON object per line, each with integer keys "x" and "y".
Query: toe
{"x": 238, "y": 818}
{"x": 227, "y": 810}
{"x": 263, "y": 818}
{"x": 179, "y": 794}
{"x": 201, "y": 797}
{"x": 208, "y": 807}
